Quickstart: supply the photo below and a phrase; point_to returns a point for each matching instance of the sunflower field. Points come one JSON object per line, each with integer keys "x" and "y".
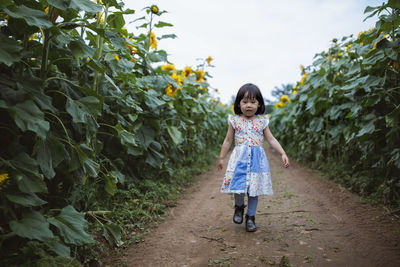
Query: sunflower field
{"x": 344, "y": 114}
{"x": 93, "y": 118}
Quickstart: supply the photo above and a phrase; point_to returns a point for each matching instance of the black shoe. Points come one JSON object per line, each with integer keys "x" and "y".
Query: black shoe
{"x": 250, "y": 223}
{"x": 238, "y": 216}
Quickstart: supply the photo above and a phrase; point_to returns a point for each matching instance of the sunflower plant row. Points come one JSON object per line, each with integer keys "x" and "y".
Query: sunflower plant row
{"x": 344, "y": 113}
{"x": 88, "y": 108}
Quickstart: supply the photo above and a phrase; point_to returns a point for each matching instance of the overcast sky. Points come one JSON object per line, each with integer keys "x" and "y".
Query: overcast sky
{"x": 258, "y": 41}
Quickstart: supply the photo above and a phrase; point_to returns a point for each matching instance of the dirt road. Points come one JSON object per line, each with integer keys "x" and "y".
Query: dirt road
{"x": 308, "y": 222}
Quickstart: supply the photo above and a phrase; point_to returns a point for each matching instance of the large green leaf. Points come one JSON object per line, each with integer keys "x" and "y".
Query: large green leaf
{"x": 175, "y": 134}
{"x": 29, "y": 180}
{"x": 85, "y": 5}
{"x": 33, "y": 17}
{"x": 116, "y": 20}
{"x": 9, "y": 50}
{"x": 33, "y": 225}
{"x": 25, "y": 199}
{"x": 28, "y": 116}
{"x": 71, "y": 226}
{"x": 145, "y": 135}
{"x": 77, "y": 110}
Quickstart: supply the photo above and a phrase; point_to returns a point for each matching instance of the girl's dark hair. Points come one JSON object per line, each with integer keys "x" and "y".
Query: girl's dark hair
{"x": 252, "y": 92}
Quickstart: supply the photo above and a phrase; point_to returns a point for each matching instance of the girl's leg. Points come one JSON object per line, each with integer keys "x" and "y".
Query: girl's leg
{"x": 239, "y": 208}
{"x": 239, "y": 199}
{"x": 251, "y": 212}
{"x": 252, "y": 203}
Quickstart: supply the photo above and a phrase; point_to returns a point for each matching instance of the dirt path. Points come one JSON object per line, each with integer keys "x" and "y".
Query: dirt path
{"x": 308, "y": 222}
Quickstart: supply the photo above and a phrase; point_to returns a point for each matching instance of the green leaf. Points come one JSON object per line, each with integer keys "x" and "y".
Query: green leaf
{"x": 61, "y": 249}
{"x": 4, "y": 3}
{"x": 29, "y": 183}
{"x": 175, "y": 134}
{"x": 71, "y": 226}
{"x": 394, "y": 3}
{"x": 145, "y": 135}
{"x": 128, "y": 138}
{"x": 161, "y": 24}
{"x": 26, "y": 200}
{"x": 317, "y": 124}
{"x": 367, "y": 128}
{"x": 112, "y": 233}
{"x": 110, "y": 184}
{"x": 33, "y": 17}
{"x": 85, "y": 5}
{"x": 33, "y": 225}
{"x": 77, "y": 110}
{"x": 116, "y": 20}
{"x": 44, "y": 158}
{"x": 156, "y": 57}
{"x": 9, "y": 50}
{"x": 117, "y": 41}
{"x": 154, "y": 158}
{"x": 165, "y": 36}
{"x": 28, "y": 116}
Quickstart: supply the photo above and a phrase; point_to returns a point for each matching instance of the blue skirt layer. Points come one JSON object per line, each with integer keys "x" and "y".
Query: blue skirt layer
{"x": 252, "y": 160}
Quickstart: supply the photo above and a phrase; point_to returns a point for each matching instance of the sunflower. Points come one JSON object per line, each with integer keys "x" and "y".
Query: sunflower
{"x": 168, "y": 67}
{"x": 154, "y": 9}
{"x": 177, "y": 78}
{"x": 303, "y": 79}
{"x": 170, "y": 90}
{"x": 186, "y": 72}
{"x": 3, "y": 178}
{"x": 200, "y": 75}
{"x": 209, "y": 60}
{"x": 285, "y": 99}
{"x": 153, "y": 41}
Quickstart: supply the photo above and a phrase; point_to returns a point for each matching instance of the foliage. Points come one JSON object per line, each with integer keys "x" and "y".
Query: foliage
{"x": 87, "y": 112}
{"x": 345, "y": 116}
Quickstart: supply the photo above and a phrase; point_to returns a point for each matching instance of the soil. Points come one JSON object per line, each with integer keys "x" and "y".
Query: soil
{"x": 309, "y": 221}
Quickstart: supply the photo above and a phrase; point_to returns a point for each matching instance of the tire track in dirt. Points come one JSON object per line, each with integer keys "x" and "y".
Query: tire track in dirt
{"x": 308, "y": 222}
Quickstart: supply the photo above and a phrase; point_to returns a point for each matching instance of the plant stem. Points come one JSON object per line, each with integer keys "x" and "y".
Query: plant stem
{"x": 45, "y": 50}
{"x": 99, "y": 46}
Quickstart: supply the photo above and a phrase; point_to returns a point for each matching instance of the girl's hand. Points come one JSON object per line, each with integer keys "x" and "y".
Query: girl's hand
{"x": 220, "y": 164}
{"x": 285, "y": 160}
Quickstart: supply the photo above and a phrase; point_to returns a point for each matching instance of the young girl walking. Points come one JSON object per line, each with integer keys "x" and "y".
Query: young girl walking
{"x": 248, "y": 169}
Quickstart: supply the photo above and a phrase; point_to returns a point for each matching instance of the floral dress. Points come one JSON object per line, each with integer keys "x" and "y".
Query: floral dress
{"x": 248, "y": 169}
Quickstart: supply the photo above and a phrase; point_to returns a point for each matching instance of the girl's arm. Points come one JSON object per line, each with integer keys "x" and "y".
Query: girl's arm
{"x": 225, "y": 146}
{"x": 275, "y": 145}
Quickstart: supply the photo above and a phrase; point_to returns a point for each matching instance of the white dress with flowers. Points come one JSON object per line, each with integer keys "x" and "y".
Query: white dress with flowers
{"x": 248, "y": 168}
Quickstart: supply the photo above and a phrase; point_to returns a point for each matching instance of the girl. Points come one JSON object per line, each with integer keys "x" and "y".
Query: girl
{"x": 248, "y": 169}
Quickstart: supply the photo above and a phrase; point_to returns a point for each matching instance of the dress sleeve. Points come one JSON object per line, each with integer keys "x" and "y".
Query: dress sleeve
{"x": 231, "y": 120}
{"x": 265, "y": 121}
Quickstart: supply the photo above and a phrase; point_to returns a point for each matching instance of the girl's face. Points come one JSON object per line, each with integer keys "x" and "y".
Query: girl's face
{"x": 248, "y": 106}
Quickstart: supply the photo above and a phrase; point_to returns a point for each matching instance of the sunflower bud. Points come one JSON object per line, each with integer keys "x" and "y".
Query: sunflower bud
{"x": 154, "y": 9}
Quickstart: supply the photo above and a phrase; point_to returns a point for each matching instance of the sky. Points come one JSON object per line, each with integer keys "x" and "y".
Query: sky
{"x": 258, "y": 41}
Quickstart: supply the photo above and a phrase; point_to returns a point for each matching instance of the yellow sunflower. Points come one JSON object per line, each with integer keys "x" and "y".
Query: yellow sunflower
{"x": 154, "y": 9}
{"x": 177, "y": 78}
{"x": 168, "y": 67}
{"x": 153, "y": 41}
{"x": 170, "y": 90}
{"x": 209, "y": 60}
{"x": 200, "y": 75}
{"x": 186, "y": 72}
